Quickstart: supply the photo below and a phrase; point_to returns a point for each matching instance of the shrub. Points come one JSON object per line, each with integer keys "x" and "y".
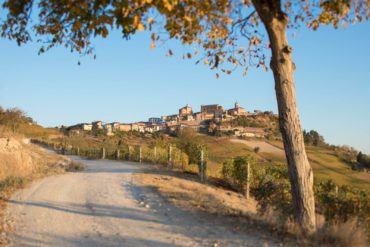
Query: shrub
{"x": 11, "y": 182}
{"x": 271, "y": 188}
{"x": 341, "y": 202}
{"x": 235, "y": 171}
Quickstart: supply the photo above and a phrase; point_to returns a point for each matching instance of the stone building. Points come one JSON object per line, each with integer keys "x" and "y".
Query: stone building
{"x": 237, "y": 110}
{"x": 185, "y": 111}
{"x": 208, "y": 110}
{"x": 98, "y": 124}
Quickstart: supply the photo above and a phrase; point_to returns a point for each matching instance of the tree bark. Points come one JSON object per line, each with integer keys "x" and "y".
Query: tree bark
{"x": 300, "y": 171}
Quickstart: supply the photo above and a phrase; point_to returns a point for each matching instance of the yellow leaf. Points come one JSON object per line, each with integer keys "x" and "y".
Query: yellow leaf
{"x": 168, "y": 6}
{"x": 150, "y": 20}
{"x": 152, "y": 46}
{"x": 140, "y": 27}
{"x": 187, "y": 18}
{"x": 136, "y": 20}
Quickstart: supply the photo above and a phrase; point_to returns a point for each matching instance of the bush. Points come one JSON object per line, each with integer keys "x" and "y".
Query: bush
{"x": 11, "y": 182}
{"x": 341, "y": 202}
{"x": 271, "y": 188}
{"x": 235, "y": 171}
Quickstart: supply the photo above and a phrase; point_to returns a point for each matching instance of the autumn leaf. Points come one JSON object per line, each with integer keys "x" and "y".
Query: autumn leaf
{"x": 152, "y": 46}
{"x": 187, "y": 18}
{"x": 140, "y": 27}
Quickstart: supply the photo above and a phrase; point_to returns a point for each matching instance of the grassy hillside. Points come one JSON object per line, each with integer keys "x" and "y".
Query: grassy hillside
{"x": 324, "y": 161}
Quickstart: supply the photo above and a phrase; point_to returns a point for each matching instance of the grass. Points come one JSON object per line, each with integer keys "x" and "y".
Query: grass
{"x": 324, "y": 162}
{"x": 75, "y": 166}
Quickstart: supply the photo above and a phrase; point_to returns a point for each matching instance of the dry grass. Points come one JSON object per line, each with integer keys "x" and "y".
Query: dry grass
{"x": 22, "y": 163}
{"x": 185, "y": 191}
{"x": 190, "y": 194}
{"x": 347, "y": 234}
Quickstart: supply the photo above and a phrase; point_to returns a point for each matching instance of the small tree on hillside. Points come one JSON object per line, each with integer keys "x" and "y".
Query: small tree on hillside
{"x": 229, "y": 33}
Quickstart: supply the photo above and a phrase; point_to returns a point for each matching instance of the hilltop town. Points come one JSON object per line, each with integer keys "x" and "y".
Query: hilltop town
{"x": 211, "y": 119}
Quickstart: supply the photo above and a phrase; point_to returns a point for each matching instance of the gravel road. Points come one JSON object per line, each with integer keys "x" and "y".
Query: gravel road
{"x": 101, "y": 206}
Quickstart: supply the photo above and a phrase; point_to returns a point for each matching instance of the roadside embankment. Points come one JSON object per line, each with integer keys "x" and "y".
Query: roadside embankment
{"x": 21, "y": 163}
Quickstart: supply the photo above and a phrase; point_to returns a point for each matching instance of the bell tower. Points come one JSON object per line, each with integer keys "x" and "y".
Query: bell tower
{"x": 237, "y": 104}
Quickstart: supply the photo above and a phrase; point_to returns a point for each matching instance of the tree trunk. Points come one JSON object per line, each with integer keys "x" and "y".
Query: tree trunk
{"x": 300, "y": 171}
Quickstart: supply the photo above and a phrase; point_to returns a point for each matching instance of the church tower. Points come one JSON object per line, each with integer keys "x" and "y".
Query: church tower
{"x": 237, "y": 104}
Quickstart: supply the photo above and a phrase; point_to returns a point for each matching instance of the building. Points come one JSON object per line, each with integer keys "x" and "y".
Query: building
{"x": 124, "y": 127}
{"x": 195, "y": 125}
{"x": 170, "y": 118}
{"x": 82, "y": 126}
{"x": 155, "y": 120}
{"x": 185, "y": 112}
{"x": 237, "y": 111}
{"x": 98, "y": 124}
{"x": 115, "y": 126}
{"x": 171, "y": 126}
{"x": 108, "y": 129}
{"x": 250, "y": 132}
{"x": 216, "y": 110}
{"x": 140, "y": 127}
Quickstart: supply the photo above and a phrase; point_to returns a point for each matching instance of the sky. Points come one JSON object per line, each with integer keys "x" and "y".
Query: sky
{"x": 130, "y": 82}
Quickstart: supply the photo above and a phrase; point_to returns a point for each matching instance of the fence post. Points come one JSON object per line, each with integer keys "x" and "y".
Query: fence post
{"x": 202, "y": 173}
{"x": 140, "y": 153}
{"x": 103, "y": 153}
{"x": 155, "y": 154}
{"x": 118, "y": 154}
{"x": 169, "y": 155}
{"x": 129, "y": 153}
{"x": 247, "y": 180}
{"x": 78, "y": 151}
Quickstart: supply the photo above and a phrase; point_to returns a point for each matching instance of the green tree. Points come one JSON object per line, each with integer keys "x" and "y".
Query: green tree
{"x": 229, "y": 33}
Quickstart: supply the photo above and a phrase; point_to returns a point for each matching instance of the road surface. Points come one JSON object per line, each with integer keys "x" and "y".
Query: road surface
{"x": 101, "y": 206}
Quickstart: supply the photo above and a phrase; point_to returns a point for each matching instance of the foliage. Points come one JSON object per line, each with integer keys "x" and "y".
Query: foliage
{"x": 250, "y": 121}
{"x": 363, "y": 159}
{"x": 346, "y": 153}
{"x": 189, "y": 142}
{"x": 235, "y": 171}
{"x": 11, "y": 182}
{"x": 271, "y": 188}
{"x": 313, "y": 138}
{"x": 13, "y": 118}
{"x": 341, "y": 202}
{"x": 227, "y": 31}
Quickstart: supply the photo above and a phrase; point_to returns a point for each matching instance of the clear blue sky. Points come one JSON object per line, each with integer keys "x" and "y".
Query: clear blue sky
{"x": 130, "y": 82}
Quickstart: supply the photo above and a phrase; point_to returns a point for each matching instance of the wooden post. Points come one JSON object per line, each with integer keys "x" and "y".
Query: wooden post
{"x": 118, "y": 154}
{"x": 155, "y": 154}
{"x": 247, "y": 178}
{"x": 103, "y": 153}
{"x": 78, "y": 151}
{"x": 140, "y": 153}
{"x": 129, "y": 153}
{"x": 202, "y": 173}
{"x": 169, "y": 155}
{"x": 336, "y": 190}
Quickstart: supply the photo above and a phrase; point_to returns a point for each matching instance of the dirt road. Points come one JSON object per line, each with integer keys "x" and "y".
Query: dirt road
{"x": 102, "y": 207}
